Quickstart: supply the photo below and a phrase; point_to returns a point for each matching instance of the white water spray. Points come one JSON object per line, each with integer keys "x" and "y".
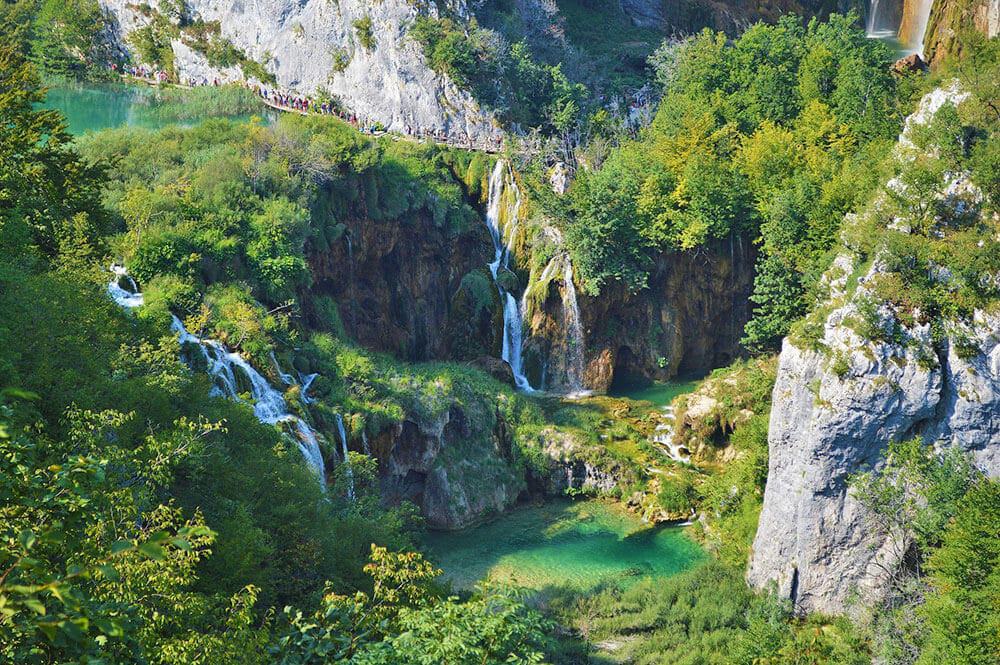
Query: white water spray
{"x": 664, "y": 436}
{"x": 222, "y": 364}
{"x": 501, "y": 220}
{"x": 127, "y": 298}
{"x": 347, "y": 460}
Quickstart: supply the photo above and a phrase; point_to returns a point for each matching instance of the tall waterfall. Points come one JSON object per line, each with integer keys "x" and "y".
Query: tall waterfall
{"x": 885, "y": 22}
{"x": 225, "y": 367}
{"x": 566, "y": 362}
{"x": 347, "y": 460}
{"x": 574, "y": 333}
{"x": 916, "y": 14}
{"x": 501, "y": 219}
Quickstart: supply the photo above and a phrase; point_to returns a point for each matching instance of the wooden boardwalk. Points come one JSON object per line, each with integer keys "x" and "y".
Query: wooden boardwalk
{"x": 469, "y": 145}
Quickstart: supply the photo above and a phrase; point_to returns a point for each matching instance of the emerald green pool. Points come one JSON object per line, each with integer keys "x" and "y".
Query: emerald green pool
{"x": 91, "y": 107}
{"x": 659, "y": 393}
{"x": 579, "y": 544}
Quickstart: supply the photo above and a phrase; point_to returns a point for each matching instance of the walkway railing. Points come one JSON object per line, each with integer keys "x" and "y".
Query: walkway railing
{"x": 287, "y": 103}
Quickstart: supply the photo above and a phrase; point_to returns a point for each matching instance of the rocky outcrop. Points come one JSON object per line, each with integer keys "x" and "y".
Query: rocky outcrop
{"x": 689, "y": 319}
{"x": 950, "y": 17}
{"x": 837, "y": 403}
{"x": 322, "y": 46}
{"x": 569, "y": 471}
{"x": 458, "y": 467}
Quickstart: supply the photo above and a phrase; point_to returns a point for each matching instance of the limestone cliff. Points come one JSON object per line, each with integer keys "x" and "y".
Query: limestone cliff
{"x": 355, "y": 50}
{"x": 949, "y": 17}
{"x": 838, "y": 401}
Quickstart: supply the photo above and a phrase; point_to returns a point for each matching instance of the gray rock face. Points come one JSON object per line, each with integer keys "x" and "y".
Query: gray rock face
{"x": 300, "y": 40}
{"x": 454, "y": 473}
{"x": 833, "y": 415}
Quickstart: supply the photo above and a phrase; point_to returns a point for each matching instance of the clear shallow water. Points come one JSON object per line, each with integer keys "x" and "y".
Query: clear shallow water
{"x": 579, "y": 544}
{"x": 659, "y": 393}
{"x": 92, "y": 107}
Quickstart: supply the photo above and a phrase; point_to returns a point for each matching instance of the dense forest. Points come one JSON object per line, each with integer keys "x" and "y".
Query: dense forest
{"x": 145, "y": 518}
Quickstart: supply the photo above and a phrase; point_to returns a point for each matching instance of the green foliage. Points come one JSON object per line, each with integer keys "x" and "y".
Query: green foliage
{"x": 364, "y": 33}
{"x": 962, "y": 613}
{"x": 764, "y": 136}
{"x": 68, "y": 37}
{"x": 706, "y": 616}
{"x": 938, "y": 510}
{"x": 502, "y": 76}
{"x": 49, "y": 196}
{"x": 405, "y": 620}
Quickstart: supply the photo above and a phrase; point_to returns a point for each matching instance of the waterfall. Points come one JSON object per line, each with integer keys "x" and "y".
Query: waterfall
{"x": 909, "y": 31}
{"x": 125, "y": 298}
{"x": 916, "y": 14}
{"x": 268, "y": 404}
{"x": 347, "y": 460}
{"x": 574, "y": 333}
{"x": 304, "y": 384}
{"x": 568, "y": 365}
{"x": 665, "y": 437}
{"x": 501, "y": 220}
{"x": 284, "y": 376}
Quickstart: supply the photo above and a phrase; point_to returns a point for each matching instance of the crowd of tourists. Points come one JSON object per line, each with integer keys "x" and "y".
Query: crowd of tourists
{"x": 300, "y": 104}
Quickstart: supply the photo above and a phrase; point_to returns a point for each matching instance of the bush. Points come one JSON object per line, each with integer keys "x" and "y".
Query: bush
{"x": 364, "y": 32}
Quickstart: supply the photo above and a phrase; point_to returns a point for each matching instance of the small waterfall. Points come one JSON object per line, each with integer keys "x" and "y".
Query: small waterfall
{"x": 501, "y": 220}
{"x": 304, "y": 383}
{"x": 364, "y": 443}
{"x": 567, "y": 366}
{"x": 664, "y": 436}
{"x": 284, "y": 376}
{"x": 347, "y": 460}
{"x": 268, "y": 404}
{"x": 125, "y": 298}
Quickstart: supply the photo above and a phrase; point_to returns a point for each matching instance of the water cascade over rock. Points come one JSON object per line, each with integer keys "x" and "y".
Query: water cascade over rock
{"x": 342, "y": 432}
{"x": 231, "y": 372}
{"x": 229, "y": 368}
{"x": 502, "y": 211}
{"x": 564, "y": 366}
{"x": 916, "y": 14}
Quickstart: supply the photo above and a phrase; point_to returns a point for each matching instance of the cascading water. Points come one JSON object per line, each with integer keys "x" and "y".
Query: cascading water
{"x": 567, "y": 366}
{"x": 269, "y": 405}
{"x": 347, "y": 460}
{"x": 664, "y": 436}
{"x": 916, "y": 15}
{"x": 222, "y": 364}
{"x": 126, "y": 298}
{"x": 901, "y": 24}
{"x": 501, "y": 220}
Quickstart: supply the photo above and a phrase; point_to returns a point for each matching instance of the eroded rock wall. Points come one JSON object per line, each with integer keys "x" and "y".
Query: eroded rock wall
{"x": 689, "y": 319}
{"x": 949, "y": 17}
